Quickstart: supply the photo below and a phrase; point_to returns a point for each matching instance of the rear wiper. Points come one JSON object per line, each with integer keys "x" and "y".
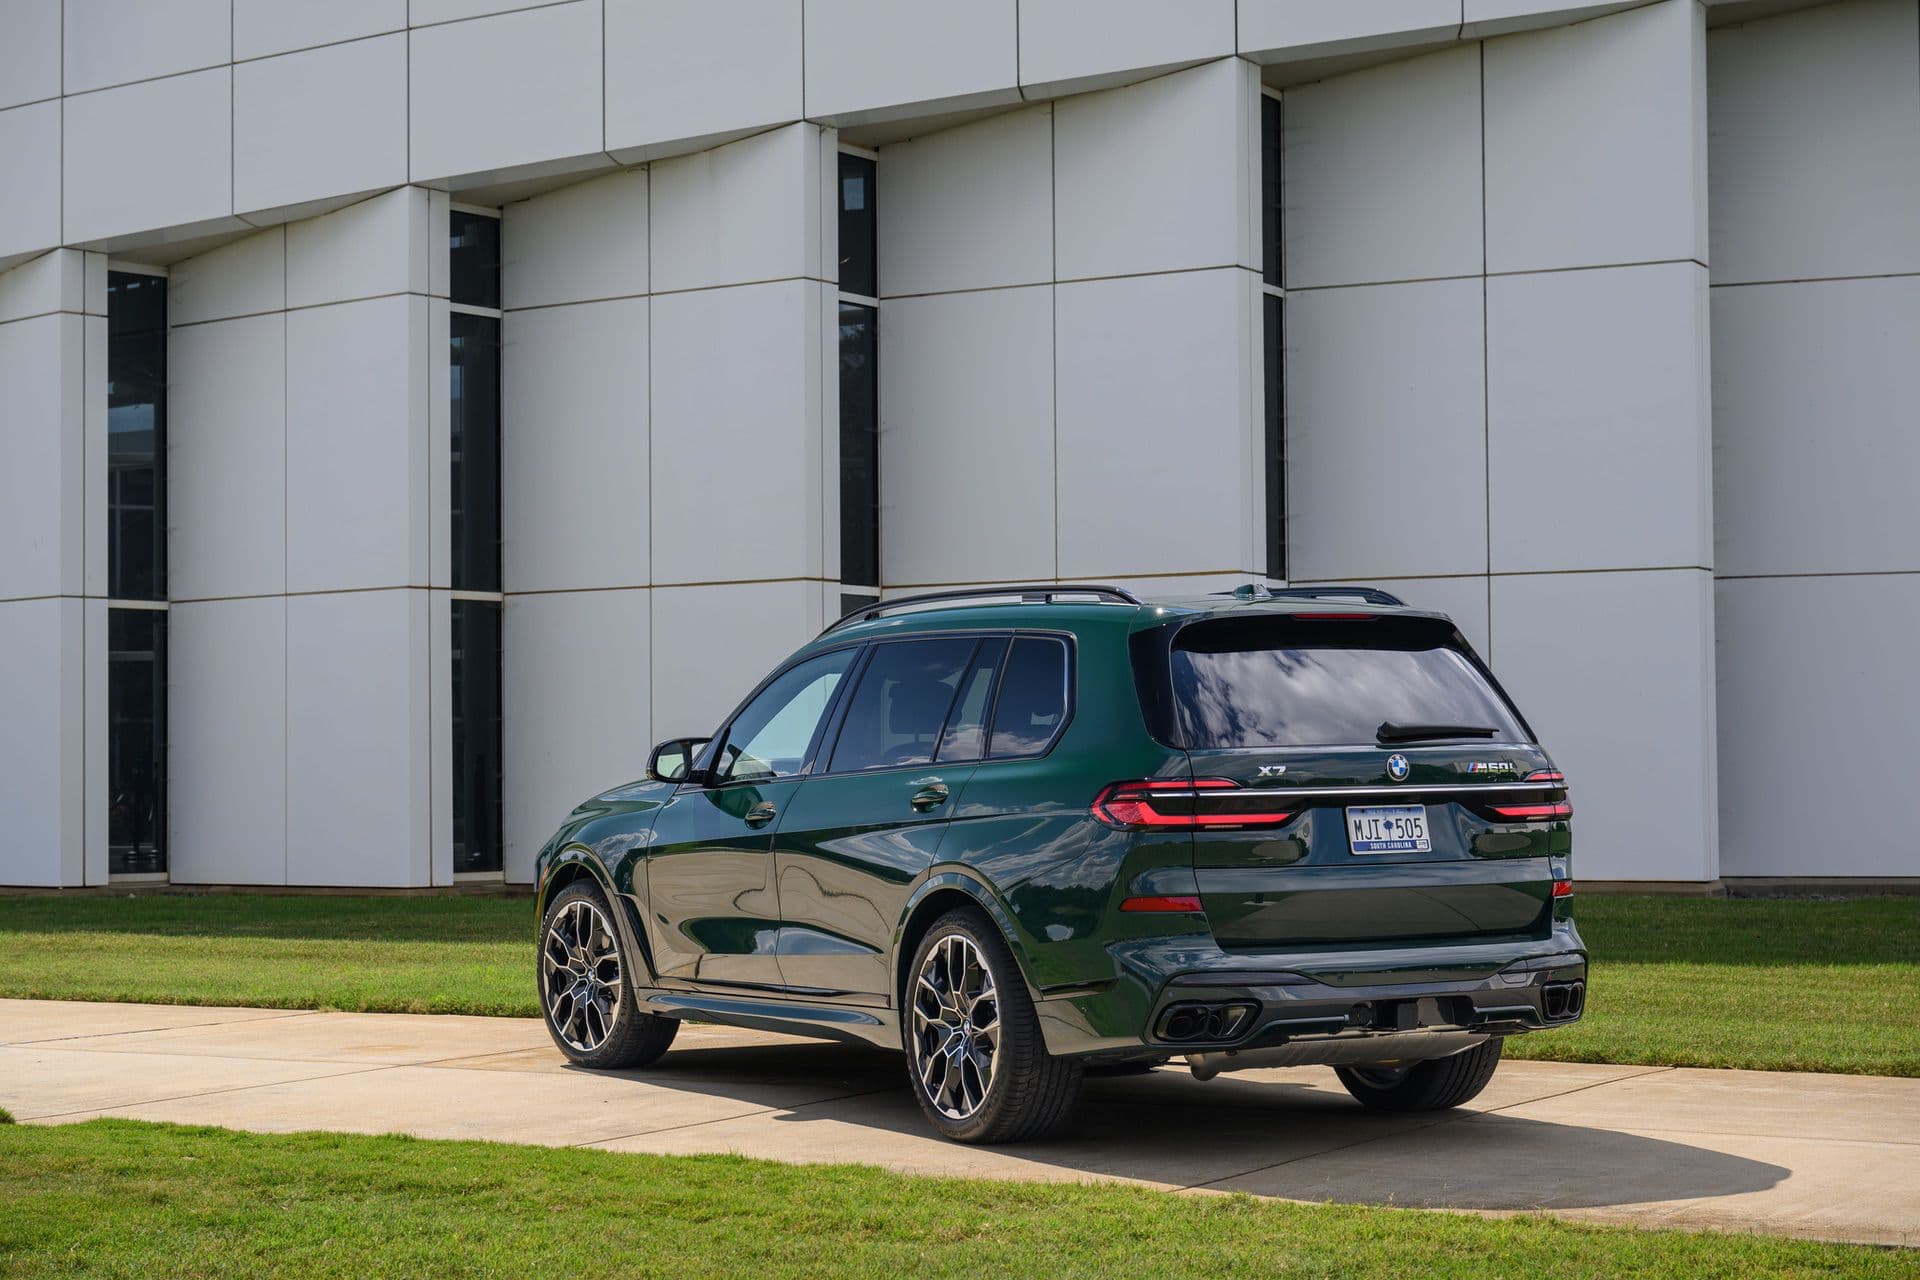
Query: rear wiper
{"x": 1391, "y": 732}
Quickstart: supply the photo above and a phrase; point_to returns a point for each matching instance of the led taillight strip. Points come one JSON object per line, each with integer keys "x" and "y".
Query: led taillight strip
{"x": 1132, "y": 805}
{"x": 1554, "y": 811}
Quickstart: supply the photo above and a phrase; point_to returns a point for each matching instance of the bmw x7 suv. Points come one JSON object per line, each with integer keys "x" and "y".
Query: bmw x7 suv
{"x": 1026, "y": 832}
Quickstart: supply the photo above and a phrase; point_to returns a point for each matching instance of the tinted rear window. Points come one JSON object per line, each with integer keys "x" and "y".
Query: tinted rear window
{"x": 1263, "y": 682}
{"x": 1033, "y": 698}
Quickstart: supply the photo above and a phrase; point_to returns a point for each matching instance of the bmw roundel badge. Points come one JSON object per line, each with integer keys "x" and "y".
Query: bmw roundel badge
{"x": 1397, "y": 767}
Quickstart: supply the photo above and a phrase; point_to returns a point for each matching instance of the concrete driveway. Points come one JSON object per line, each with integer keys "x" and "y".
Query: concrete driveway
{"x": 1834, "y": 1157}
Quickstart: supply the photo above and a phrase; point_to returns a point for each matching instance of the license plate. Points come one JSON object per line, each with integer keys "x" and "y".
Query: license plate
{"x": 1399, "y": 828}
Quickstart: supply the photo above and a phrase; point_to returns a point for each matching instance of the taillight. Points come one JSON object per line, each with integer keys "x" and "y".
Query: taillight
{"x": 1563, "y": 888}
{"x": 1167, "y": 802}
{"x": 1552, "y": 811}
{"x": 1551, "y": 777}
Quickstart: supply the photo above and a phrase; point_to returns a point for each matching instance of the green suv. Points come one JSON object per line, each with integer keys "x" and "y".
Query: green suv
{"x": 1026, "y": 832}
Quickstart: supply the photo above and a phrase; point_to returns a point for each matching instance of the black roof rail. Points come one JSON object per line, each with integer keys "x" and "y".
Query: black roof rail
{"x": 1368, "y": 595}
{"x": 1029, "y": 593}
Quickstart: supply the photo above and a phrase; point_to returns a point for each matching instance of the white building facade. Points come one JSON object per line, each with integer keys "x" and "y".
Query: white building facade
{"x": 410, "y": 410}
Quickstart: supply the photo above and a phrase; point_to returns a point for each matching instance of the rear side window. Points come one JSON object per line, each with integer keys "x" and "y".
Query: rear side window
{"x": 966, "y": 735}
{"x": 1033, "y": 698}
{"x": 1277, "y": 682}
{"x": 901, "y": 703}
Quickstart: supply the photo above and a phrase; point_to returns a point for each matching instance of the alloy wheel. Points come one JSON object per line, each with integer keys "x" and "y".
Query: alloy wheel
{"x": 580, "y": 976}
{"x": 956, "y": 1027}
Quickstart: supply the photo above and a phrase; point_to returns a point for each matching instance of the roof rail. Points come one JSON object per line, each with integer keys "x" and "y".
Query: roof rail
{"x": 1369, "y": 595}
{"x": 1034, "y": 593}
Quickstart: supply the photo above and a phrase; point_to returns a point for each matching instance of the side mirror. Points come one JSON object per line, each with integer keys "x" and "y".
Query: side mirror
{"x": 672, "y": 761}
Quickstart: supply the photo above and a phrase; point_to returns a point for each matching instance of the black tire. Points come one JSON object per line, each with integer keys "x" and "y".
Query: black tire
{"x": 606, "y": 1029}
{"x": 1027, "y": 1093}
{"x": 1425, "y": 1086}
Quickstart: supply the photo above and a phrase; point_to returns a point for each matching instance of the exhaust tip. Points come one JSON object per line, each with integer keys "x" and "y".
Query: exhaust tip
{"x": 1210, "y": 1022}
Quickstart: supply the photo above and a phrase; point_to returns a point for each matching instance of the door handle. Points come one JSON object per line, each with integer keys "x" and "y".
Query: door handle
{"x": 761, "y": 814}
{"x": 930, "y": 797}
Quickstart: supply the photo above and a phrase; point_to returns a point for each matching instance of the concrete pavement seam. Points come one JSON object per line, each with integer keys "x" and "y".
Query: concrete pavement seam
{"x": 744, "y": 1115}
{"x": 144, "y": 1031}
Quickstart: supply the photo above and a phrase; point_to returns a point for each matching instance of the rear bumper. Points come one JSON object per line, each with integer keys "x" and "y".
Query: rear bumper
{"x": 1176, "y": 998}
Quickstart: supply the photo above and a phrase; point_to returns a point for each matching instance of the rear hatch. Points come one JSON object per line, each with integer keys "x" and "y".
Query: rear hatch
{"x": 1391, "y": 793}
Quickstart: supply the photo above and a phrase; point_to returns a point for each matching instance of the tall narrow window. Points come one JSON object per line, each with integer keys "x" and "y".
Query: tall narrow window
{"x": 1273, "y": 337}
{"x": 136, "y": 537}
{"x": 859, "y": 384}
{"x": 474, "y": 454}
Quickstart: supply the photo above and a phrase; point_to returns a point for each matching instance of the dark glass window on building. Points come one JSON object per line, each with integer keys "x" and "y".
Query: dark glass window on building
{"x": 136, "y": 741}
{"x": 473, "y": 392}
{"x": 136, "y": 436}
{"x": 477, "y": 812}
{"x": 1270, "y": 189}
{"x": 1274, "y": 343}
{"x": 474, "y": 388}
{"x": 859, "y": 260}
{"x": 859, "y": 445}
{"x": 473, "y": 258}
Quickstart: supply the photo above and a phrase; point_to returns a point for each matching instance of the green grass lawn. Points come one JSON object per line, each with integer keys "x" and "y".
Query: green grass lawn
{"x": 1776, "y": 985}
{"x": 121, "y": 1198}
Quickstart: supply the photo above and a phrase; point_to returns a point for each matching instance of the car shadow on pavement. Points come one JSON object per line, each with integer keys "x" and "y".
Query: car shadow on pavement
{"x": 1292, "y": 1133}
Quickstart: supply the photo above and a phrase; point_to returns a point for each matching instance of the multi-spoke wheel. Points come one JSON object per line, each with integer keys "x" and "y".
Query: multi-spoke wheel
{"x": 585, "y": 992}
{"x": 1424, "y": 1086}
{"x": 979, "y": 1066}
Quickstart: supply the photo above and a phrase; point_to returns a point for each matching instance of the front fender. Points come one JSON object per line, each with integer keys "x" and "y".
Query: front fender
{"x": 562, "y": 866}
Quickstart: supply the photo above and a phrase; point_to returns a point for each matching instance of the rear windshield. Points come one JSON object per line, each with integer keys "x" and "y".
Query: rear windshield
{"x": 1278, "y": 682}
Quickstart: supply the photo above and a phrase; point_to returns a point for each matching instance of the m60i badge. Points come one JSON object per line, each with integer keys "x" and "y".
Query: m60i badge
{"x": 1488, "y": 766}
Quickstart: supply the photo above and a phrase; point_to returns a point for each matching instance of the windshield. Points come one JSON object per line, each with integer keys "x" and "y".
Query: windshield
{"x": 1279, "y": 682}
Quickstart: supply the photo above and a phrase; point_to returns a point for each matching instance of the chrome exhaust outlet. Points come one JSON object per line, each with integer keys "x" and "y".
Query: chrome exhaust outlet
{"x": 1337, "y": 1051}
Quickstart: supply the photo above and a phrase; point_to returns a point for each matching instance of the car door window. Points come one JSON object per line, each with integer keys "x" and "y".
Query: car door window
{"x": 966, "y": 733}
{"x": 771, "y": 736}
{"x": 1033, "y": 698}
{"x": 901, "y": 703}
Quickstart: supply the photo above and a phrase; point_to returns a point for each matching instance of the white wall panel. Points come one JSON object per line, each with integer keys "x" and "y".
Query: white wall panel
{"x": 1596, "y": 142}
{"x": 42, "y": 454}
{"x": 227, "y": 741}
{"x": 1815, "y": 388}
{"x": 30, "y": 55}
{"x": 358, "y": 780}
{"x": 966, "y": 428}
{"x": 1155, "y": 176}
{"x": 1615, "y": 673}
{"x": 1386, "y": 431}
{"x": 737, "y": 448}
{"x": 970, "y": 207}
{"x": 322, "y": 123}
{"x": 1268, "y": 27}
{"x": 1066, "y": 44}
{"x": 518, "y": 89}
{"x": 1382, "y": 173}
{"x": 426, "y": 12}
{"x": 377, "y": 247}
{"x": 692, "y": 68}
{"x": 227, "y": 458}
{"x": 30, "y": 157}
{"x": 865, "y": 56}
{"x": 1810, "y": 672}
{"x": 577, "y": 244}
{"x": 576, "y": 713}
{"x": 574, "y": 447}
{"x": 54, "y": 281}
{"x": 1156, "y": 377}
{"x": 1816, "y": 143}
{"x": 1598, "y": 448}
{"x": 748, "y": 211}
{"x": 1498, "y": 17}
{"x": 246, "y": 277}
{"x": 357, "y": 445}
{"x": 41, "y": 765}
{"x": 111, "y": 42}
{"x": 148, "y": 155}
{"x": 712, "y": 645}
{"x": 264, "y": 27}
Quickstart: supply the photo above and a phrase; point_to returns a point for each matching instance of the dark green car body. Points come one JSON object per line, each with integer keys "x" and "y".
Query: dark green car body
{"x": 806, "y": 922}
